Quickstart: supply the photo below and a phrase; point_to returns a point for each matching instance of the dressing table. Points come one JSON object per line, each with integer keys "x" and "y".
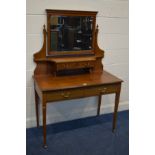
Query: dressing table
{"x": 69, "y": 64}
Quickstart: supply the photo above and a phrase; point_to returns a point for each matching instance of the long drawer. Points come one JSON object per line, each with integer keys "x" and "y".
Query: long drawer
{"x": 81, "y": 92}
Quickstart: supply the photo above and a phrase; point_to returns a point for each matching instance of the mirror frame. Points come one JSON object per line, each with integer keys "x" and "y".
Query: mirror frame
{"x": 70, "y": 13}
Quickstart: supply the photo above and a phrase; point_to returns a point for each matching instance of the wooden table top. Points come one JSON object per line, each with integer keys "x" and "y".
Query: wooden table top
{"x": 50, "y": 83}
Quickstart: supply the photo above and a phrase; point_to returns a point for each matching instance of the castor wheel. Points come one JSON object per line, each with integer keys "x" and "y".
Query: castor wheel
{"x": 45, "y": 146}
{"x": 113, "y": 130}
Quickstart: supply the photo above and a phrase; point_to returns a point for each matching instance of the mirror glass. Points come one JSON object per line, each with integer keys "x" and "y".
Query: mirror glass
{"x": 71, "y": 33}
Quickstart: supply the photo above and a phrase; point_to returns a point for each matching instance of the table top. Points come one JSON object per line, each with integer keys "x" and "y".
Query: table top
{"x": 50, "y": 83}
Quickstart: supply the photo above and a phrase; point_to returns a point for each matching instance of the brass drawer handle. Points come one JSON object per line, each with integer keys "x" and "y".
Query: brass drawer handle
{"x": 87, "y": 64}
{"x": 102, "y": 90}
{"x": 67, "y": 95}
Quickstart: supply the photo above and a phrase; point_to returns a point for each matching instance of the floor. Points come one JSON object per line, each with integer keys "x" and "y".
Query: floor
{"x": 87, "y": 136}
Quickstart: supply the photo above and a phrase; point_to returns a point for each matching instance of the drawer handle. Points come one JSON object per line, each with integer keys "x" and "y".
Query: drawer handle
{"x": 67, "y": 95}
{"x": 103, "y": 90}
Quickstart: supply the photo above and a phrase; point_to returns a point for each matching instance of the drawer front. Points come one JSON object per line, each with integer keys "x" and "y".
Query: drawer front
{"x": 64, "y": 95}
{"x": 81, "y": 92}
{"x": 107, "y": 89}
{"x": 75, "y": 65}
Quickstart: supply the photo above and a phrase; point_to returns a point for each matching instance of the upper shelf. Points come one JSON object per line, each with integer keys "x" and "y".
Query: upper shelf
{"x": 67, "y": 59}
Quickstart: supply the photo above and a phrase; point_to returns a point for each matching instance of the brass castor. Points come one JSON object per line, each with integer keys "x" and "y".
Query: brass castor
{"x": 45, "y": 146}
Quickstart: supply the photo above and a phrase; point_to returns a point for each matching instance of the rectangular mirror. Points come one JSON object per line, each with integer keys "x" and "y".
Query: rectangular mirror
{"x": 70, "y": 32}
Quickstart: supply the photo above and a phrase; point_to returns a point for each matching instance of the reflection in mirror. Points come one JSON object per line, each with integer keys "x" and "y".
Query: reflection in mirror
{"x": 71, "y": 33}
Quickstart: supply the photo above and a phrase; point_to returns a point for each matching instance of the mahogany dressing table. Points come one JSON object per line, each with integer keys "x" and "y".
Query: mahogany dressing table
{"x": 69, "y": 65}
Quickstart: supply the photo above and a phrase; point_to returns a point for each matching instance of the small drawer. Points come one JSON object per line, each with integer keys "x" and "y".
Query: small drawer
{"x": 108, "y": 89}
{"x": 75, "y": 65}
{"x": 64, "y": 95}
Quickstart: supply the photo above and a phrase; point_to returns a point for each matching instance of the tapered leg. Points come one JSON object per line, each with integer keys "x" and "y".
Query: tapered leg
{"x": 37, "y": 108}
{"x": 117, "y": 96}
{"x": 44, "y": 124}
{"x": 99, "y": 105}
